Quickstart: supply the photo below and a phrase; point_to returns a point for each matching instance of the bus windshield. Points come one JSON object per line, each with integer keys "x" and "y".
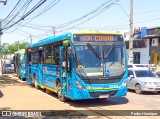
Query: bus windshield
{"x": 94, "y": 60}
{"x": 22, "y": 61}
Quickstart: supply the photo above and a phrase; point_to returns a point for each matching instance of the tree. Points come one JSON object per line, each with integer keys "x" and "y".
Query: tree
{"x": 4, "y": 48}
{"x": 11, "y": 49}
{"x": 14, "y": 47}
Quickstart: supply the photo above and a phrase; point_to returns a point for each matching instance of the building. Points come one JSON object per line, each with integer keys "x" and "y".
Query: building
{"x": 146, "y": 49}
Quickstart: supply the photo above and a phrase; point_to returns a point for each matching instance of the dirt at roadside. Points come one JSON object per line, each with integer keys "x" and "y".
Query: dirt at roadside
{"x": 7, "y": 80}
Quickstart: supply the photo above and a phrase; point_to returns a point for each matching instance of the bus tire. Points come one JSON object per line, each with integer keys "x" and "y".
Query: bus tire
{"x": 23, "y": 79}
{"x": 35, "y": 82}
{"x": 60, "y": 96}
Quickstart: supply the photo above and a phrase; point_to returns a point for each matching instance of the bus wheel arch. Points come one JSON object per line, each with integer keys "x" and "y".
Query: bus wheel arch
{"x": 58, "y": 90}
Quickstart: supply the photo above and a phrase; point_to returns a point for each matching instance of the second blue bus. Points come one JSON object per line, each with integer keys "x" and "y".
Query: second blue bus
{"x": 19, "y": 64}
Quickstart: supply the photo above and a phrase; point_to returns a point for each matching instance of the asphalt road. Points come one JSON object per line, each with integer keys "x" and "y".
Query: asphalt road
{"x": 18, "y": 95}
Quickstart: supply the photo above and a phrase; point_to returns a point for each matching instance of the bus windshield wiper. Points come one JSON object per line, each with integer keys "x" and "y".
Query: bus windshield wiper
{"x": 108, "y": 52}
{"x": 93, "y": 50}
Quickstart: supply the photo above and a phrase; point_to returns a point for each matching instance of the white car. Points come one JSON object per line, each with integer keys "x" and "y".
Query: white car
{"x": 138, "y": 66}
{"x": 150, "y": 67}
{"x": 143, "y": 80}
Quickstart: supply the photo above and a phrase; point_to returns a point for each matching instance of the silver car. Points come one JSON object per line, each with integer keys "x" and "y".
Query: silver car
{"x": 143, "y": 80}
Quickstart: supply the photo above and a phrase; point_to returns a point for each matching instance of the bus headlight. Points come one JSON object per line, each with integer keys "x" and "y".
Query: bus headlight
{"x": 124, "y": 83}
{"x": 78, "y": 84}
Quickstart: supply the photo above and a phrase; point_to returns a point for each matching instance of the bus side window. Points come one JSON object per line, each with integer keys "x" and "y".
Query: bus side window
{"x": 48, "y": 55}
{"x": 28, "y": 57}
{"x": 41, "y": 56}
{"x": 56, "y": 56}
{"x": 35, "y": 56}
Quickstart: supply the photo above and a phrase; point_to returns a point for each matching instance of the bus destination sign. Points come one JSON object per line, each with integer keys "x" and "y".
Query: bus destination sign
{"x": 97, "y": 37}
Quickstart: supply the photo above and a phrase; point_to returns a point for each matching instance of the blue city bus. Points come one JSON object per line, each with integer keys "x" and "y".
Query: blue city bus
{"x": 79, "y": 65}
{"x": 19, "y": 64}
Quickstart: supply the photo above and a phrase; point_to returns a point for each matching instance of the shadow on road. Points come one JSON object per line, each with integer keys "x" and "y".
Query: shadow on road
{"x": 99, "y": 102}
{"x": 94, "y": 102}
{"x": 91, "y": 102}
{"x": 9, "y": 80}
{"x": 1, "y": 94}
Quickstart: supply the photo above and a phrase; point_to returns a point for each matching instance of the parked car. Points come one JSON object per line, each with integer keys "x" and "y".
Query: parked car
{"x": 150, "y": 67}
{"x": 143, "y": 80}
{"x": 157, "y": 74}
{"x": 138, "y": 66}
{"x": 7, "y": 68}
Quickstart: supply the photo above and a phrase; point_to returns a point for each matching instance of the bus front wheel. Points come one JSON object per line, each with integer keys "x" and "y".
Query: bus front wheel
{"x": 60, "y": 96}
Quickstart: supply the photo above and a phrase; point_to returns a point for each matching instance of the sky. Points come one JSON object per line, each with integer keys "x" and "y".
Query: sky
{"x": 115, "y": 17}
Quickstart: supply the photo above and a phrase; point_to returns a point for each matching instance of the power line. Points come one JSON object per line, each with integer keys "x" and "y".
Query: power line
{"x": 12, "y": 10}
{"x": 27, "y": 14}
{"x": 86, "y": 15}
{"x": 16, "y": 14}
{"x": 53, "y": 3}
{"x": 147, "y": 11}
{"x": 95, "y": 10}
{"x": 98, "y": 12}
{"x": 44, "y": 10}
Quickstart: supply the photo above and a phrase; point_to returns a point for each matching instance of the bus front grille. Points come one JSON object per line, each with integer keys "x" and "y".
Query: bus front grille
{"x": 97, "y": 94}
{"x": 101, "y": 81}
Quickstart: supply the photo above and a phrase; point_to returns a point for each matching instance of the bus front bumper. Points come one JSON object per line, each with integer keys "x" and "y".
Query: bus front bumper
{"x": 78, "y": 94}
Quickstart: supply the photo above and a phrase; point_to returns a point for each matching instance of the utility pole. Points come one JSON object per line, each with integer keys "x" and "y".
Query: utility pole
{"x": 0, "y": 41}
{"x": 131, "y": 33}
{"x": 18, "y": 44}
{"x": 3, "y": 1}
{"x": 54, "y": 32}
{"x": 30, "y": 39}
{"x": 1, "y": 32}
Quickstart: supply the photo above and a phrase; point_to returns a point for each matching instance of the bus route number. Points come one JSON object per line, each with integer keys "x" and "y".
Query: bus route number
{"x": 97, "y": 38}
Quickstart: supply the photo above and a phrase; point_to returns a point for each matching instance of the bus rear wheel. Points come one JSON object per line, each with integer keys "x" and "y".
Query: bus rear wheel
{"x": 60, "y": 96}
{"x": 35, "y": 82}
{"x": 23, "y": 79}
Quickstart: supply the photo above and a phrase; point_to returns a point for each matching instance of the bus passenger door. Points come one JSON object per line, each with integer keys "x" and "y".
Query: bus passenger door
{"x": 28, "y": 66}
{"x": 64, "y": 69}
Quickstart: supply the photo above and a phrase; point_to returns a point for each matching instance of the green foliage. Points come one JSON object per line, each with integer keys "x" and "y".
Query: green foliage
{"x": 11, "y": 49}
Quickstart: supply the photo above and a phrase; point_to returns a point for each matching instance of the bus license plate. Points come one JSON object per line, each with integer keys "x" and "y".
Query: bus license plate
{"x": 104, "y": 96}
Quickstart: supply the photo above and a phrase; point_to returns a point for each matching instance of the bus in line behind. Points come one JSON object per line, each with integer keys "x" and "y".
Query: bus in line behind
{"x": 19, "y": 64}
